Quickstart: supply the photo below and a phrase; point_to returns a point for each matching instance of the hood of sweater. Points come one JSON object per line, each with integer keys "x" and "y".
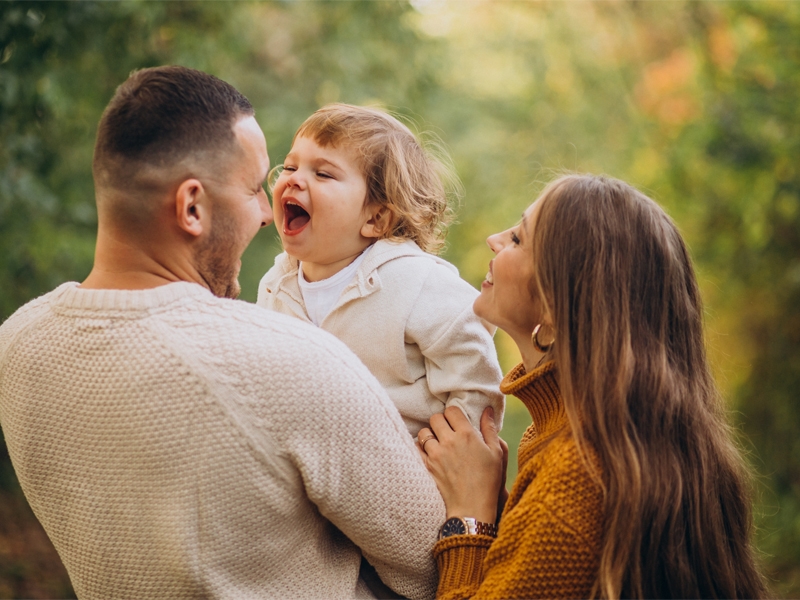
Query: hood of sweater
{"x": 366, "y": 280}
{"x": 378, "y": 254}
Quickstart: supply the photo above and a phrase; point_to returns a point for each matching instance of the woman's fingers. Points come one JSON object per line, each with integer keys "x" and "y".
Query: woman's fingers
{"x": 489, "y": 427}
{"x": 503, "y": 497}
{"x": 424, "y": 437}
{"x": 504, "y": 448}
{"x": 466, "y": 466}
{"x": 456, "y": 418}
{"x": 492, "y": 439}
{"x": 440, "y": 425}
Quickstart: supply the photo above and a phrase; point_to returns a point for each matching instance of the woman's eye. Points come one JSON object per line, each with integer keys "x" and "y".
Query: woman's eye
{"x": 514, "y": 238}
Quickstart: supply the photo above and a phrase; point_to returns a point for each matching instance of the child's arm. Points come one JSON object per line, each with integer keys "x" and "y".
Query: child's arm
{"x": 460, "y": 357}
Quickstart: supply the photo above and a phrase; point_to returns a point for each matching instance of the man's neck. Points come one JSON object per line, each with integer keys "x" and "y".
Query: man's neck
{"x": 102, "y": 279}
{"x": 122, "y": 264}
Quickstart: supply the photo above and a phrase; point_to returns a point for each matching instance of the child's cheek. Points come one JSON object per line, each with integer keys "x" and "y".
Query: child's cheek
{"x": 277, "y": 194}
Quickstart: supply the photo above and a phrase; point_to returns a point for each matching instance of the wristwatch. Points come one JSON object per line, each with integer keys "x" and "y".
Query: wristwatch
{"x": 466, "y": 526}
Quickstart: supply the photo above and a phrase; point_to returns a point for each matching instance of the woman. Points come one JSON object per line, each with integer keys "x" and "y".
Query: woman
{"x": 629, "y": 484}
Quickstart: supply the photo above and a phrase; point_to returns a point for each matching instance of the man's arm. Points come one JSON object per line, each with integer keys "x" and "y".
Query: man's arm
{"x": 361, "y": 469}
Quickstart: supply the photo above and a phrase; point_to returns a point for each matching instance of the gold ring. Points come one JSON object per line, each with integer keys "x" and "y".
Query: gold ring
{"x": 425, "y": 441}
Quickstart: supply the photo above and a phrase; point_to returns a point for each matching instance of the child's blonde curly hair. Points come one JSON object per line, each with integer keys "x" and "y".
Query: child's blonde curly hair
{"x": 413, "y": 182}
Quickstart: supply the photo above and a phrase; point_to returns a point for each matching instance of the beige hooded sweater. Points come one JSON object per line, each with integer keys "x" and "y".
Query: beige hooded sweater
{"x": 408, "y": 316}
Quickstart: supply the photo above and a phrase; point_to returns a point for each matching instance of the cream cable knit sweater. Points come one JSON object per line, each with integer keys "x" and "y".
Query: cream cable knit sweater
{"x": 176, "y": 445}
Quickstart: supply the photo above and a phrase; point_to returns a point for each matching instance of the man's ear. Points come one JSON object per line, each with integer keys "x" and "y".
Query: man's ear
{"x": 379, "y": 221}
{"x": 191, "y": 207}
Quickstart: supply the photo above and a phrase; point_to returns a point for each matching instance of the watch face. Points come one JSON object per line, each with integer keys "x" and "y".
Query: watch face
{"x": 453, "y": 526}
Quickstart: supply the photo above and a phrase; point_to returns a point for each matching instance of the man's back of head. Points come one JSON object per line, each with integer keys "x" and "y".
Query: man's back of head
{"x": 178, "y": 166}
{"x": 161, "y": 124}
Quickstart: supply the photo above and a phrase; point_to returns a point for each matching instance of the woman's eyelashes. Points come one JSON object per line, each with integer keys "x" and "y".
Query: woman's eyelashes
{"x": 514, "y": 238}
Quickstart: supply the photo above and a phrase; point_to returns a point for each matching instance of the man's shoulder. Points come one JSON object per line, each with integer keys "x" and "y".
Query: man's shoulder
{"x": 232, "y": 318}
{"x": 275, "y": 362}
{"x": 28, "y": 315}
{"x": 260, "y": 336}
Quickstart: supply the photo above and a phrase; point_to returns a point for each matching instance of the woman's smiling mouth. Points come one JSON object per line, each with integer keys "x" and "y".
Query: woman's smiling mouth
{"x": 489, "y": 279}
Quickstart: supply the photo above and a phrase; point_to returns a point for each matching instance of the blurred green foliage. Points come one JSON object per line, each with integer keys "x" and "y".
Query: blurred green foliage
{"x": 695, "y": 103}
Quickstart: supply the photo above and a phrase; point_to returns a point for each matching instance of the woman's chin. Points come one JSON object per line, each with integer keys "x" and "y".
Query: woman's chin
{"x": 480, "y": 310}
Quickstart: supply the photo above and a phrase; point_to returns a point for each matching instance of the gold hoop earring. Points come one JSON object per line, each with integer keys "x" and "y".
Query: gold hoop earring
{"x": 537, "y": 344}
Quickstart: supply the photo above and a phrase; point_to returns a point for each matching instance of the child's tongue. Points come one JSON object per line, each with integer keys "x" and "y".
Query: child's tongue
{"x": 296, "y": 217}
{"x": 297, "y": 222}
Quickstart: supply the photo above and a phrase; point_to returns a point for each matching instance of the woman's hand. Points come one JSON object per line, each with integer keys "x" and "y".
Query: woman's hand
{"x": 467, "y": 469}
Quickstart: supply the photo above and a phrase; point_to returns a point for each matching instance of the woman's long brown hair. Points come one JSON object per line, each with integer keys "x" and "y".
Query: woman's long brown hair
{"x": 616, "y": 277}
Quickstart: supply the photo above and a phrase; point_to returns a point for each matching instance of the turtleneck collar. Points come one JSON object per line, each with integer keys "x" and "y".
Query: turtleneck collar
{"x": 538, "y": 391}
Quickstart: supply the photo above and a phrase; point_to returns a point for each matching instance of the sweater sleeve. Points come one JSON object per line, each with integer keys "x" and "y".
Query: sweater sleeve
{"x": 548, "y": 544}
{"x": 460, "y": 561}
{"x": 361, "y": 469}
{"x": 460, "y": 358}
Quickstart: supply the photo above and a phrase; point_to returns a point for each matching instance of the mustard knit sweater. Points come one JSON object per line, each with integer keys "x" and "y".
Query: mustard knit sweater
{"x": 551, "y": 530}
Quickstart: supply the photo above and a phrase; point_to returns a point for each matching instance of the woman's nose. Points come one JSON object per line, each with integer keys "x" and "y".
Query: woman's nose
{"x": 494, "y": 242}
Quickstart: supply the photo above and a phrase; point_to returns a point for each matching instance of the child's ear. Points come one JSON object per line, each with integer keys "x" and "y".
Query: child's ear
{"x": 379, "y": 221}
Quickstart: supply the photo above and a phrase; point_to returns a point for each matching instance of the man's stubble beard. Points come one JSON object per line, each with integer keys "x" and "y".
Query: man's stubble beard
{"x": 214, "y": 259}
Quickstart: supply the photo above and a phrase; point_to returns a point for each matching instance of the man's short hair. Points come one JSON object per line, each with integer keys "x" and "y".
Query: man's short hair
{"x": 159, "y": 117}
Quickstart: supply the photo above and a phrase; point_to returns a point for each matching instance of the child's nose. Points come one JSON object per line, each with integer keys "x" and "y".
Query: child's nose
{"x": 295, "y": 179}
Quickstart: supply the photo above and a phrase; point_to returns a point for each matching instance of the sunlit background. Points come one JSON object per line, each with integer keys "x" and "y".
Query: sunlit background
{"x": 696, "y": 103}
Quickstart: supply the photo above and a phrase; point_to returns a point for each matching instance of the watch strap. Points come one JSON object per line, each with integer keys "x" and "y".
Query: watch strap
{"x": 466, "y": 526}
{"x": 475, "y": 527}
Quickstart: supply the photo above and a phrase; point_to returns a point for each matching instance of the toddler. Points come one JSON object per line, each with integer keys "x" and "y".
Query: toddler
{"x": 360, "y": 207}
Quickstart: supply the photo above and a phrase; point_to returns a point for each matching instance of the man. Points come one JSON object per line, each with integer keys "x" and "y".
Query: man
{"x": 174, "y": 442}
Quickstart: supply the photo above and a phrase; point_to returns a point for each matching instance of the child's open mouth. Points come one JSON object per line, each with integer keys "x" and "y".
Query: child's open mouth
{"x": 295, "y": 218}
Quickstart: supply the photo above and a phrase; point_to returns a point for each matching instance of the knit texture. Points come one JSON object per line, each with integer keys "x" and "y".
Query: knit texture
{"x": 178, "y": 445}
{"x": 550, "y": 533}
{"x": 408, "y": 316}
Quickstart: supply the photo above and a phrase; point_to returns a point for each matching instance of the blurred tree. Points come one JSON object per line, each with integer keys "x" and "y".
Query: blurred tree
{"x": 59, "y": 65}
{"x": 693, "y": 102}
{"x": 742, "y": 164}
